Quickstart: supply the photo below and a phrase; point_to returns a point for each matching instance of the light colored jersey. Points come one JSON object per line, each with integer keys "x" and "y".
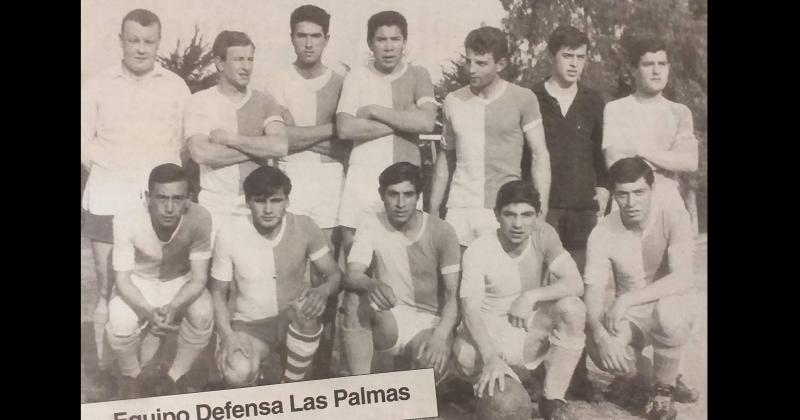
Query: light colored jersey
{"x": 411, "y": 267}
{"x": 637, "y": 259}
{"x": 366, "y": 86}
{"x": 498, "y": 279}
{"x": 311, "y": 102}
{"x": 221, "y": 188}
{"x": 128, "y": 127}
{"x": 269, "y": 274}
{"x": 487, "y": 135}
{"x": 139, "y": 250}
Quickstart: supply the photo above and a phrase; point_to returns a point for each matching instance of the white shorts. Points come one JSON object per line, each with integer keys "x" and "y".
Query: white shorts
{"x": 360, "y": 197}
{"x": 316, "y": 190}
{"x": 410, "y": 322}
{"x": 123, "y": 320}
{"x": 470, "y": 223}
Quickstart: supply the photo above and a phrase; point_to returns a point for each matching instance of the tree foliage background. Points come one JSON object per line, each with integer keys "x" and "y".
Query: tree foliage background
{"x": 611, "y": 24}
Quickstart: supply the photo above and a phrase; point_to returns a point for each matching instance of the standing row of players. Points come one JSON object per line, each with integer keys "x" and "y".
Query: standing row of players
{"x": 136, "y": 116}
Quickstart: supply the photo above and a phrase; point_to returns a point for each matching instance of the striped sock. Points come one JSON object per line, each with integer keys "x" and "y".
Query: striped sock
{"x": 300, "y": 350}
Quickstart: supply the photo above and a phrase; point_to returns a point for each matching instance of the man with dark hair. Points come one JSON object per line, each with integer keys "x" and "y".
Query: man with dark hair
{"x": 410, "y": 306}
{"x": 520, "y": 294}
{"x": 486, "y": 124}
{"x": 275, "y": 307}
{"x": 160, "y": 258}
{"x": 232, "y": 129}
{"x": 647, "y": 248}
{"x": 309, "y": 92}
{"x": 383, "y": 109}
{"x": 647, "y": 125}
{"x": 573, "y": 128}
{"x": 130, "y": 122}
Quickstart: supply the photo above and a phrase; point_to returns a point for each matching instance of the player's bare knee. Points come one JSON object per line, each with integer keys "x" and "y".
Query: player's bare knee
{"x": 513, "y": 403}
{"x": 357, "y": 312}
{"x": 571, "y": 312}
{"x": 672, "y": 323}
{"x": 200, "y": 313}
{"x": 122, "y": 321}
{"x": 238, "y": 371}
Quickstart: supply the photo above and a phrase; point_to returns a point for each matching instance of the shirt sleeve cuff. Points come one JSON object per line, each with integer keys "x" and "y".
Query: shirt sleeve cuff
{"x": 450, "y": 269}
{"x": 319, "y": 253}
{"x": 426, "y": 99}
{"x": 532, "y": 124}
{"x": 203, "y": 255}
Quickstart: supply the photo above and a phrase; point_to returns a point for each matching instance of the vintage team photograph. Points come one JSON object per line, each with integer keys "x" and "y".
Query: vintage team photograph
{"x": 511, "y": 193}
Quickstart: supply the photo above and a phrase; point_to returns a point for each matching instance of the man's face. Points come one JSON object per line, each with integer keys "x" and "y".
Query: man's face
{"x": 517, "y": 221}
{"x": 652, "y": 73}
{"x": 483, "y": 70}
{"x": 268, "y": 212}
{"x": 167, "y": 202}
{"x": 309, "y": 42}
{"x": 400, "y": 202}
{"x": 633, "y": 200}
{"x": 568, "y": 64}
{"x": 237, "y": 66}
{"x": 139, "y": 46}
{"x": 387, "y": 46}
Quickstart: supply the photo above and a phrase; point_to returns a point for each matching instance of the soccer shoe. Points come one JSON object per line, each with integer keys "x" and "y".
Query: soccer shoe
{"x": 629, "y": 393}
{"x": 684, "y": 394}
{"x": 582, "y": 388}
{"x": 128, "y": 388}
{"x": 554, "y": 410}
{"x": 103, "y": 387}
{"x": 154, "y": 382}
{"x": 660, "y": 406}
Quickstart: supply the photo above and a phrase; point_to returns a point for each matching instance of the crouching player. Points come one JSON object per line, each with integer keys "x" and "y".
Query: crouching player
{"x": 520, "y": 293}
{"x": 160, "y": 257}
{"x": 409, "y": 306}
{"x": 274, "y": 305}
{"x": 647, "y": 247}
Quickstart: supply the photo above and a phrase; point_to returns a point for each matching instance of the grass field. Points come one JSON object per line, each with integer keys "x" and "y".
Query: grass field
{"x": 694, "y": 366}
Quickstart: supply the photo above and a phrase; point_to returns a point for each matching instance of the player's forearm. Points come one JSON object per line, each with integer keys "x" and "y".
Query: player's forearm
{"x": 565, "y": 285}
{"x": 262, "y": 147}
{"x": 187, "y": 294}
{"x": 673, "y": 160}
{"x": 474, "y": 323}
{"x": 303, "y": 138}
{"x": 358, "y": 281}
{"x": 415, "y": 121}
{"x": 593, "y": 298}
{"x": 449, "y": 318}
{"x": 214, "y": 155}
{"x": 332, "y": 282}
{"x": 349, "y": 127}
{"x": 222, "y": 316}
{"x": 672, "y": 284}
{"x": 441, "y": 176}
{"x": 131, "y": 294}
{"x": 540, "y": 172}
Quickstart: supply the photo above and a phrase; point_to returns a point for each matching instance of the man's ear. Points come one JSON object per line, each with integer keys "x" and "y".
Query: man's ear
{"x": 218, "y": 63}
{"x": 502, "y": 64}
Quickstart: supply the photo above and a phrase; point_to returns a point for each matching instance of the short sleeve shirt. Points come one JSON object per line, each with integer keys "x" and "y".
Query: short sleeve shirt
{"x": 487, "y": 135}
{"x": 138, "y": 249}
{"x": 637, "y": 259}
{"x": 497, "y": 279}
{"x": 411, "y": 267}
{"x": 366, "y": 86}
{"x": 208, "y": 110}
{"x": 310, "y": 102}
{"x": 269, "y": 274}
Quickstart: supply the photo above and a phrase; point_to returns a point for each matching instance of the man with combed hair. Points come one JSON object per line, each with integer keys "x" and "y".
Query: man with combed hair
{"x": 486, "y": 124}
{"x": 275, "y": 307}
{"x": 309, "y": 90}
{"x": 409, "y": 305}
{"x": 161, "y": 258}
{"x": 649, "y": 126}
{"x": 383, "y": 108}
{"x": 131, "y": 117}
{"x": 520, "y": 294}
{"x": 647, "y": 248}
{"x": 232, "y": 129}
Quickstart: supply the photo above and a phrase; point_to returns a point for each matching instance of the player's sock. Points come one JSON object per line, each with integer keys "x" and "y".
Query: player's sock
{"x": 383, "y": 360}
{"x": 149, "y": 347}
{"x": 300, "y": 349}
{"x": 191, "y": 342}
{"x": 563, "y": 357}
{"x": 358, "y": 349}
{"x": 666, "y": 363}
{"x": 126, "y": 351}
{"x": 105, "y": 359}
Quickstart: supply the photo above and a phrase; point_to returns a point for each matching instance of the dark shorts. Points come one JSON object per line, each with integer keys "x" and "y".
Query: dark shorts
{"x": 271, "y": 331}
{"x": 98, "y": 228}
{"x": 573, "y": 226}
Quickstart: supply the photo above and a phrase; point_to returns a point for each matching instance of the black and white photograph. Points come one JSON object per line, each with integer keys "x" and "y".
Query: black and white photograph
{"x": 471, "y": 210}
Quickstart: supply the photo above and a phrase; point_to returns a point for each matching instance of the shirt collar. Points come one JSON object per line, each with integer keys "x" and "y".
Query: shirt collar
{"x": 120, "y": 71}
